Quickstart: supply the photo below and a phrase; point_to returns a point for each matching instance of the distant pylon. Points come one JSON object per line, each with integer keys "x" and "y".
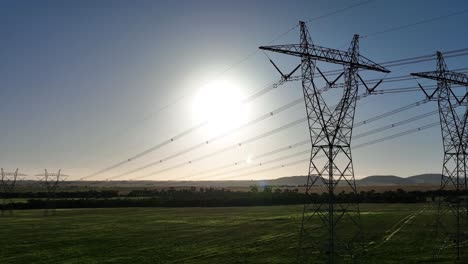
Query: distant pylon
{"x": 453, "y": 112}
{"x": 330, "y": 132}
{"x": 7, "y": 186}
{"x": 50, "y": 182}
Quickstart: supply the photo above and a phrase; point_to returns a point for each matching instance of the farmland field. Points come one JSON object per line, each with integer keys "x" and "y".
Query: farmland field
{"x": 394, "y": 233}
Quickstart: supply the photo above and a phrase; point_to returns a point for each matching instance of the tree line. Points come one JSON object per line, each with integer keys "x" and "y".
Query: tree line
{"x": 211, "y": 197}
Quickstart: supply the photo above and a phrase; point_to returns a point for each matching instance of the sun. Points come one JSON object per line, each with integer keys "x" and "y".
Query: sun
{"x": 219, "y": 103}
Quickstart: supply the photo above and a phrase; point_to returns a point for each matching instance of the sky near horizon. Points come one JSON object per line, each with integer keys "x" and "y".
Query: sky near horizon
{"x": 87, "y": 84}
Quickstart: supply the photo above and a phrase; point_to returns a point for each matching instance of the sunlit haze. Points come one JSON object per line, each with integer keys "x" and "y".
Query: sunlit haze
{"x": 219, "y": 103}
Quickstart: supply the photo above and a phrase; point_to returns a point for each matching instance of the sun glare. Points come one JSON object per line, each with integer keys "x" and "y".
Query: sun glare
{"x": 219, "y": 103}
{"x": 249, "y": 159}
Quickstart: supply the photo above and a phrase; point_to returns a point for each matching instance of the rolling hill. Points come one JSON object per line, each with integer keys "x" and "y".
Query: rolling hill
{"x": 374, "y": 180}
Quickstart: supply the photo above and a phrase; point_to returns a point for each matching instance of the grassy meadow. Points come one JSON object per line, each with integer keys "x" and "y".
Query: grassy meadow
{"x": 394, "y": 233}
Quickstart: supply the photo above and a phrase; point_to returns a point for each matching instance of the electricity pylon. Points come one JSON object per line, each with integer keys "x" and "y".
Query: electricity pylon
{"x": 8, "y": 182}
{"x": 50, "y": 182}
{"x": 453, "y": 113}
{"x": 330, "y": 134}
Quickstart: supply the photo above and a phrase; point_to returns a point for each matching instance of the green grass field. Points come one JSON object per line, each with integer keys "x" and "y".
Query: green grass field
{"x": 394, "y": 233}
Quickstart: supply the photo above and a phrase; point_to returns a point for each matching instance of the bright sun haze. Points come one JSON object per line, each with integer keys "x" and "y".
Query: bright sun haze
{"x": 220, "y": 104}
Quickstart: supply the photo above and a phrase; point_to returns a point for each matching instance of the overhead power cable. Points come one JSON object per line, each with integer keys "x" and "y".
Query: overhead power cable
{"x": 356, "y": 147}
{"x": 338, "y": 11}
{"x": 365, "y": 134}
{"x": 233, "y": 146}
{"x": 232, "y": 66}
{"x": 214, "y": 139}
{"x": 413, "y": 60}
{"x": 296, "y": 122}
{"x": 304, "y": 142}
{"x": 424, "y": 21}
{"x": 247, "y": 100}
{"x": 232, "y": 164}
{"x": 199, "y": 145}
{"x": 184, "y": 133}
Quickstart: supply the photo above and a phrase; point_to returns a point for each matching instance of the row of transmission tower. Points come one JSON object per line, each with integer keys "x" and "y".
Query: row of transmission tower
{"x": 49, "y": 181}
{"x": 338, "y": 239}
{"x": 7, "y": 186}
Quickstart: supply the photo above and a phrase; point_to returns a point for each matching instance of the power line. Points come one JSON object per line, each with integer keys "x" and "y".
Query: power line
{"x": 232, "y": 66}
{"x": 314, "y": 19}
{"x": 393, "y": 112}
{"x": 216, "y": 138}
{"x": 184, "y": 133}
{"x": 338, "y": 11}
{"x": 247, "y": 100}
{"x": 303, "y": 142}
{"x": 406, "y": 90}
{"x": 365, "y": 134}
{"x": 291, "y": 124}
{"x": 253, "y": 53}
{"x": 417, "y": 58}
{"x": 289, "y": 147}
{"x": 356, "y": 147}
{"x": 397, "y": 124}
{"x": 413, "y": 60}
{"x": 263, "y": 117}
{"x": 199, "y": 145}
{"x": 231, "y": 147}
{"x": 427, "y": 59}
{"x": 424, "y": 21}
{"x": 283, "y": 108}
{"x": 296, "y": 122}
{"x": 263, "y": 135}
{"x": 271, "y": 113}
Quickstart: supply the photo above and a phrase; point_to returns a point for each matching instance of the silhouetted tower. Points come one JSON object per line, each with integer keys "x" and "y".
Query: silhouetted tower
{"x": 330, "y": 134}
{"x": 50, "y": 182}
{"x": 8, "y": 183}
{"x": 453, "y": 112}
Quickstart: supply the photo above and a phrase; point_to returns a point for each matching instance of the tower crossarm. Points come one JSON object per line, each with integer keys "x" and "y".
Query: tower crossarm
{"x": 326, "y": 54}
{"x": 52, "y": 175}
{"x": 448, "y": 76}
{"x": 14, "y": 174}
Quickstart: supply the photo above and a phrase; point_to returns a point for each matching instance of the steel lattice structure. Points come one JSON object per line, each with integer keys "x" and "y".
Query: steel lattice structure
{"x": 8, "y": 183}
{"x": 51, "y": 182}
{"x": 330, "y": 134}
{"x": 452, "y": 211}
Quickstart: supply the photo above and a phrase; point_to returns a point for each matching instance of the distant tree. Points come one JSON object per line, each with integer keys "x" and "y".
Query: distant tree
{"x": 254, "y": 188}
{"x": 267, "y": 189}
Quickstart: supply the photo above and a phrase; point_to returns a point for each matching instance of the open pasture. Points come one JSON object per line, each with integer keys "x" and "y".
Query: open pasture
{"x": 393, "y": 233}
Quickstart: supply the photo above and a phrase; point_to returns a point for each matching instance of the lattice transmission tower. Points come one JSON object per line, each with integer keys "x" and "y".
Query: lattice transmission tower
{"x": 330, "y": 129}
{"x": 453, "y": 112}
{"x": 50, "y": 181}
{"x": 7, "y": 186}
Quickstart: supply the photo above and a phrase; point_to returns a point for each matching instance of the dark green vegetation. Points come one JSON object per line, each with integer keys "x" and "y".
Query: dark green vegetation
{"x": 395, "y": 233}
{"x": 207, "y": 197}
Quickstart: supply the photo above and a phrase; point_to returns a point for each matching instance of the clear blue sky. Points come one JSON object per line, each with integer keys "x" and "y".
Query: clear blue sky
{"x": 82, "y": 81}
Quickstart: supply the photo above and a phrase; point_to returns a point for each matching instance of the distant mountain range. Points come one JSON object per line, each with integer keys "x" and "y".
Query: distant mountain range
{"x": 433, "y": 179}
{"x": 376, "y": 180}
